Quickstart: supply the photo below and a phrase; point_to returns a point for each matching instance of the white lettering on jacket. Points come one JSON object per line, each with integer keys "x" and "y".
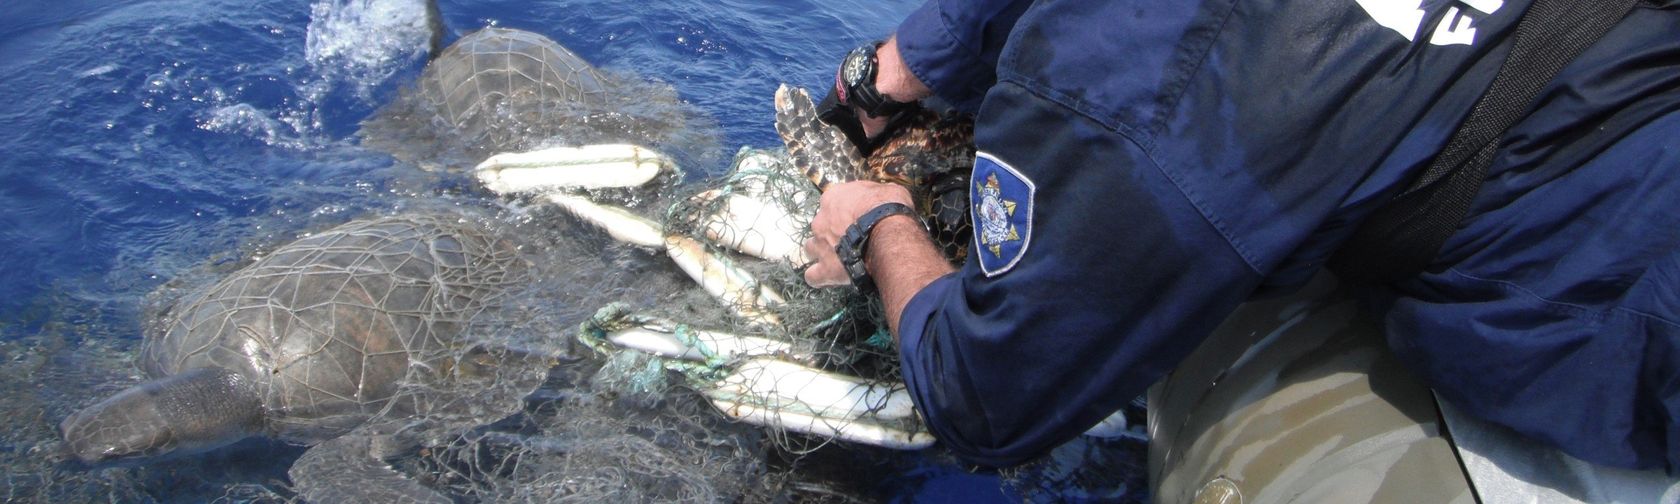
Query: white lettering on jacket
{"x": 1457, "y": 27}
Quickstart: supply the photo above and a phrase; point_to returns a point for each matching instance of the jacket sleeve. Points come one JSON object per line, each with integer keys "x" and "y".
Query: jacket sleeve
{"x": 1104, "y": 277}
{"x": 953, "y": 46}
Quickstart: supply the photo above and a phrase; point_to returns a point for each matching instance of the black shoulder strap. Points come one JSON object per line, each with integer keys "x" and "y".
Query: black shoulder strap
{"x": 1400, "y": 238}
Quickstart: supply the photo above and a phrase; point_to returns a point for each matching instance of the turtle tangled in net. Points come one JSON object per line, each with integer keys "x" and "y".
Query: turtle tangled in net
{"x": 930, "y": 154}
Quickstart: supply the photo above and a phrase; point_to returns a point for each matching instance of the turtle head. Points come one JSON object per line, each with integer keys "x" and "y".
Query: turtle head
{"x": 194, "y": 411}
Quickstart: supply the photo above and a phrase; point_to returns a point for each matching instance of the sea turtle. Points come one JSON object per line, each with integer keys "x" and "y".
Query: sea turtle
{"x": 495, "y": 89}
{"x": 379, "y": 329}
{"x": 929, "y": 153}
{"x": 500, "y": 86}
{"x": 500, "y": 89}
{"x": 363, "y": 339}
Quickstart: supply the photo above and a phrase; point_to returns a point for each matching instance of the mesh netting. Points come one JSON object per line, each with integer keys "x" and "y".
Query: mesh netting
{"x": 514, "y": 69}
{"x": 846, "y": 384}
{"x": 586, "y": 447}
{"x": 765, "y": 201}
{"x": 929, "y": 152}
{"x": 624, "y": 426}
{"x": 483, "y": 422}
{"x": 395, "y": 316}
{"x": 501, "y": 90}
{"x": 67, "y": 361}
{"x": 583, "y": 435}
{"x": 763, "y": 207}
{"x": 573, "y": 438}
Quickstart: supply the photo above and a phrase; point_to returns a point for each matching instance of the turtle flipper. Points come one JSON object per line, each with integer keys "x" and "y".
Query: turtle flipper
{"x": 193, "y": 411}
{"x": 819, "y": 149}
{"x": 349, "y": 468}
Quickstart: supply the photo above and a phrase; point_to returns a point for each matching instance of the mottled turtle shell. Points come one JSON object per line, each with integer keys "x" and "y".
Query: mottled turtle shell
{"x": 930, "y": 153}
{"x": 364, "y": 319}
{"x": 496, "y": 84}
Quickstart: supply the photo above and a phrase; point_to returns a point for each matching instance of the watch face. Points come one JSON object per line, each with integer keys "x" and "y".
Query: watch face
{"x": 856, "y": 68}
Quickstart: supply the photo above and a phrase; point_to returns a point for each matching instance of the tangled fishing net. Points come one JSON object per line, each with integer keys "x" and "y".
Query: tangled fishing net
{"x": 404, "y": 316}
{"x": 501, "y": 90}
{"x": 831, "y": 330}
{"x": 603, "y": 423}
{"x": 619, "y": 426}
{"x": 567, "y": 440}
{"x": 625, "y": 426}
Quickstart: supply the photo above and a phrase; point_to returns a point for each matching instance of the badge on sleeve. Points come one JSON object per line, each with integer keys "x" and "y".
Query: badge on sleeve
{"x": 1002, "y": 203}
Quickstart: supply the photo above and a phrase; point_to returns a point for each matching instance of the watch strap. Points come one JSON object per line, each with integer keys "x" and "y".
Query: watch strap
{"x": 855, "y": 243}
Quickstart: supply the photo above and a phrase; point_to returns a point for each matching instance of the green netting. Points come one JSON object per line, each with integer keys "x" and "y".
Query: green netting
{"x": 832, "y": 324}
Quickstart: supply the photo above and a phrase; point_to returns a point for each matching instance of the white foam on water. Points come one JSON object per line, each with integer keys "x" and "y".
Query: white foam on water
{"x": 98, "y": 71}
{"x": 365, "y": 42}
{"x": 354, "y": 45}
{"x": 286, "y": 129}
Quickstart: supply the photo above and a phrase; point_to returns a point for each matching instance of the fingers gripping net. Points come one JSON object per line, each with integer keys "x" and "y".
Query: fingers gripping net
{"x": 762, "y": 207}
{"x": 767, "y": 203}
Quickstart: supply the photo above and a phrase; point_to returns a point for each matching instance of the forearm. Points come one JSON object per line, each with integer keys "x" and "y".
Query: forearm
{"x": 902, "y": 261}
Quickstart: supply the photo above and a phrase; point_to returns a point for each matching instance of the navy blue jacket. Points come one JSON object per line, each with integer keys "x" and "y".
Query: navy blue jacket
{"x": 1148, "y": 165}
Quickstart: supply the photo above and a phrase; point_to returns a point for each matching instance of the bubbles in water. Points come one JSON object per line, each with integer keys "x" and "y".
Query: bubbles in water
{"x": 284, "y": 129}
{"x": 365, "y": 42}
{"x": 353, "y": 49}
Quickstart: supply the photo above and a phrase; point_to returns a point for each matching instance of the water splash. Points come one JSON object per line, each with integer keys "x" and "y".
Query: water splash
{"x": 354, "y": 51}
{"x": 365, "y": 42}
{"x": 285, "y": 129}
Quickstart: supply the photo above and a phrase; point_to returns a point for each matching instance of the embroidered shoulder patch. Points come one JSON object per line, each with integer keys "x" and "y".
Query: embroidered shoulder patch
{"x": 1001, "y": 202}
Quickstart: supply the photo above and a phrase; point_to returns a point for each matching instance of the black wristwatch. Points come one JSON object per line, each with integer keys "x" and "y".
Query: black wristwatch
{"x": 854, "y": 86}
{"x": 854, "y": 83}
{"x": 855, "y": 243}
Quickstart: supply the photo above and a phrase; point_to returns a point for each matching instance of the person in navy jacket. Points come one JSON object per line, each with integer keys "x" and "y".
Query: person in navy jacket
{"x": 1146, "y": 166}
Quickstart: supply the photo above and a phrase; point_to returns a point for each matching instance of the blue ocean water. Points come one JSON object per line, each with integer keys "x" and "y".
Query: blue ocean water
{"x": 142, "y": 139}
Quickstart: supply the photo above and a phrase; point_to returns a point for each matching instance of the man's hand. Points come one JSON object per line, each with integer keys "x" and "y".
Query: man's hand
{"x": 901, "y": 258}
{"x": 841, "y": 206}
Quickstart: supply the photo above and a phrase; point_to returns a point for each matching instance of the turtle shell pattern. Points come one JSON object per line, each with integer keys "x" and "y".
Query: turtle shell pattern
{"x": 361, "y": 320}
{"x": 931, "y": 154}
{"x": 496, "y": 84}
